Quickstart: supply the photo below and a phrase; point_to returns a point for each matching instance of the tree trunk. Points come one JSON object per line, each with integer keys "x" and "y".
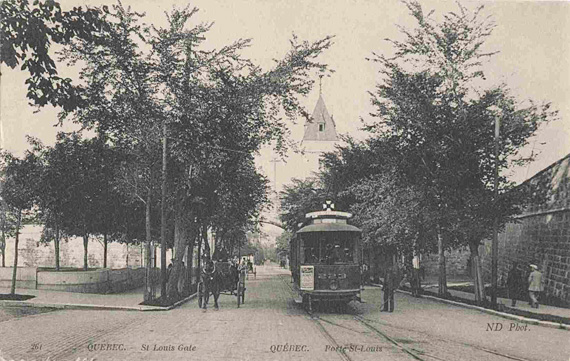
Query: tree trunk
{"x": 180, "y": 242}
{"x": 3, "y": 247}
{"x": 3, "y": 240}
{"x": 148, "y": 294}
{"x": 206, "y": 244}
{"x": 105, "y": 250}
{"x": 17, "y": 240}
{"x": 56, "y": 246}
{"x": 85, "y": 251}
{"x": 199, "y": 265}
{"x": 479, "y": 289}
{"x": 163, "y": 272}
{"x": 442, "y": 282}
{"x": 190, "y": 262}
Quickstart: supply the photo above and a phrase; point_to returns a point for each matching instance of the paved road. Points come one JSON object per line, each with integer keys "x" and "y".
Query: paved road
{"x": 270, "y": 324}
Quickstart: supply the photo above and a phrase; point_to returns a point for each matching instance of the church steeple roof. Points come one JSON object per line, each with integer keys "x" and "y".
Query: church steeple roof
{"x": 322, "y": 126}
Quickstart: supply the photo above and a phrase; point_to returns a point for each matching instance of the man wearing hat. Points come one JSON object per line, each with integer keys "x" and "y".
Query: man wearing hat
{"x": 534, "y": 285}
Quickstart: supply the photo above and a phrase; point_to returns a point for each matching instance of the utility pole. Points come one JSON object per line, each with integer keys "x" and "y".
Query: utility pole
{"x": 495, "y": 245}
{"x": 163, "y": 279}
{"x": 275, "y": 160}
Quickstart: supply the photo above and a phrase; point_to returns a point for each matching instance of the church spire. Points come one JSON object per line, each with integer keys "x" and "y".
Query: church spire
{"x": 321, "y": 126}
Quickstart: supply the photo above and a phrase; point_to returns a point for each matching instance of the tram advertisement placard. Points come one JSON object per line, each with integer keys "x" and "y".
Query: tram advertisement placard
{"x": 308, "y": 278}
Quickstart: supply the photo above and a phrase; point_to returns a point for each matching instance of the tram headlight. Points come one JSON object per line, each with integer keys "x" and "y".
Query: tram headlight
{"x": 333, "y": 285}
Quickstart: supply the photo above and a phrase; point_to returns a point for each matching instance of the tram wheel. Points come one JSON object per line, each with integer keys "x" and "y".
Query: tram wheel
{"x": 307, "y": 303}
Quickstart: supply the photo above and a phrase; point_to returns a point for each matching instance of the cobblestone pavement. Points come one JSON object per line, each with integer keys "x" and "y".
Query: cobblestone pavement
{"x": 270, "y": 324}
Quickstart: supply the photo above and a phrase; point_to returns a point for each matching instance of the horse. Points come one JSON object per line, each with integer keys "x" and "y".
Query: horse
{"x": 212, "y": 280}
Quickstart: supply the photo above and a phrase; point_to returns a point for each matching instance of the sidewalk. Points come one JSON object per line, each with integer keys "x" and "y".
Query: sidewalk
{"x": 431, "y": 284}
{"x": 545, "y": 315}
{"x": 128, "y": 300}
{"x": 521, "y": 305}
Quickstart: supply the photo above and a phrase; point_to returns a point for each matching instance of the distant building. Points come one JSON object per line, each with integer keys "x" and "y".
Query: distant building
{"x": 319, "y": 136}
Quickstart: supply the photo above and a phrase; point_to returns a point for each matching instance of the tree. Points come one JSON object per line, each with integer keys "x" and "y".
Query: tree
{"x": 147, "y": 86}
{"x": 7, "y": 224}
{"x": 20, "y": 177}
{"x": 85, "y": 182}
{"x": 27, "y": 31}
{"x": 282, "y": 244}
{"x": 298, "y": 199}
{"x": 393, "y": 216}
{"x": 438, "y": 119}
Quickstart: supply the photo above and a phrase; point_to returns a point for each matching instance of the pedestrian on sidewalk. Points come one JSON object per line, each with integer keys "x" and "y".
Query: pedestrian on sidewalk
{"x": 534, "y": 285}
{"x": 391, "y": 282}
{"x": 169, "y": 270}
{"x": 416, "y": 282}
{"x": 514, "y": 283}
{"x": 365, "y": 276}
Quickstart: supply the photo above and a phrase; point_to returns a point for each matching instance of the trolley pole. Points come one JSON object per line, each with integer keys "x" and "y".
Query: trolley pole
{"x": 495, "y": 245}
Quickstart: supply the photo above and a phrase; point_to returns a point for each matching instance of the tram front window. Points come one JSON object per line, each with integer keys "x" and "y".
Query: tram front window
{"x": 311, "y": 255}
{"x": 337, "y": 251}
{"x": 328, "y": 250}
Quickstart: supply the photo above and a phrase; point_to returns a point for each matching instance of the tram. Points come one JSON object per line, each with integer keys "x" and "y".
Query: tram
{"x": 326, "y": 258}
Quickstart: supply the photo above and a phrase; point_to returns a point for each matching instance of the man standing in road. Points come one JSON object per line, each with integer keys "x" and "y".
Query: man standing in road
{"x": 534, "y": 285}
{"x": 390, "y": 284}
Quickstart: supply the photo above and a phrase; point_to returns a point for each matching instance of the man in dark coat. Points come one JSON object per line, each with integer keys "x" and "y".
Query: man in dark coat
{"x": 391, "y": 283}
{"x": 514, "y": 284}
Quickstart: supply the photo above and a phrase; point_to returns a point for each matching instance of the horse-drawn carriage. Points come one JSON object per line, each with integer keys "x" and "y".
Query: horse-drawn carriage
{"x": 221, "y": 278}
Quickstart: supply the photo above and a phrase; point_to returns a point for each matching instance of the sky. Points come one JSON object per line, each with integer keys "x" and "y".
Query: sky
{"x": 532, "y": 37}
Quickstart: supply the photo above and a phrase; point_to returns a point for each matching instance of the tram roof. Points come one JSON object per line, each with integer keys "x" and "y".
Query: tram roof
{"x": 329, "y": 227}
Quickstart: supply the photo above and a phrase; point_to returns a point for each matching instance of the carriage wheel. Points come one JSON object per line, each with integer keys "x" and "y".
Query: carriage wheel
{"x": 200, "y": 294}
{"x": 243, "y": 294}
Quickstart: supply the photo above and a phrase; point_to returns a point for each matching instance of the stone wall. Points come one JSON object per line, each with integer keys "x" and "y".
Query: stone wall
{"x": 33, "y": 253}
{"x": 25, "y": 277}
{"x": 541, "y": 235}
{"x": 457, "y": 264}
{"x": 97, "y": 281}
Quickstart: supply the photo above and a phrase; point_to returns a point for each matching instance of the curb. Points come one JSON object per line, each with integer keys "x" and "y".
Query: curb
{"x": 77, "y": 306}
{"x": 530, "y": 321}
